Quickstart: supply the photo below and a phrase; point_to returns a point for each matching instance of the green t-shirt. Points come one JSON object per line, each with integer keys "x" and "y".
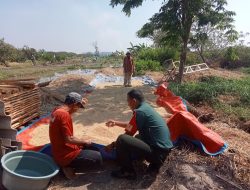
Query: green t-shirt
{"x": 152, "y": 127}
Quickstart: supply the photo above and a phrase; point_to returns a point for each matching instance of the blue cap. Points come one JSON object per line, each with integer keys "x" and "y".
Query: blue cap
{"x": 74, "y": 98}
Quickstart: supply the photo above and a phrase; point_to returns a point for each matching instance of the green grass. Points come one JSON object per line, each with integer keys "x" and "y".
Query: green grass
{"x": 25, "y": 71}
{"x": 241, "y": 111}
{"x": 208, "y": 90}
{"x": 246, "y": 70}
{"x": 81, "y": 66}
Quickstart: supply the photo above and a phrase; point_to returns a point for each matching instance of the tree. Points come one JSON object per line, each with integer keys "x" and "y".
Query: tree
{"x": 134, "y": 49}
{"x": 215, "y": 39}
{"x": 30, "y": 54}
{"x": 6, "y": 51}
{"x": 175, "y": 20}
{"x": 97, "y": 53}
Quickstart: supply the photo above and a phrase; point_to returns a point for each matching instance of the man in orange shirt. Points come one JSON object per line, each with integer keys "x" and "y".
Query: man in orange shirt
{"x": 128, "y": 69}
{"x": 68, "y": 151}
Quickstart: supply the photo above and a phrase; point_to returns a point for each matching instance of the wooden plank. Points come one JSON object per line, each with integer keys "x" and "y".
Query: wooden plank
{"x": 22, "y": 101}
{"x": 20, "y": 97}
{"x": 18, "y": 124}
{"x": 13, "y": 80}
{"x": 4, "y": 86}
{"x": 18, "y": 83}
{"x": 20, "y": 104}
{"x": 21, "y": 109}
{"x": 24, "y": 111}
{"x": 22, "y": 84}
{"x": 24, "y": 116}
{"x": 24, "y": 92}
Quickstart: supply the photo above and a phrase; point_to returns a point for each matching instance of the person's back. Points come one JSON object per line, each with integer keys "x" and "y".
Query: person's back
{"x": 152, "y": 127}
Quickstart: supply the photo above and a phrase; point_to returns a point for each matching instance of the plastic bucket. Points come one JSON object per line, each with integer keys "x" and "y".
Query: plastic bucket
{"x": 27, "y": 170}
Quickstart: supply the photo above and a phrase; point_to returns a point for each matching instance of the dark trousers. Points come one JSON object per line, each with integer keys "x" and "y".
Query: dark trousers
{"x": 88, "y": 158}
{"x": 129, "y": 148}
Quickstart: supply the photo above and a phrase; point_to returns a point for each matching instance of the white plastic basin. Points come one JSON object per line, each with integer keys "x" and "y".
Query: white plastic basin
{"x": 27, "y": 170}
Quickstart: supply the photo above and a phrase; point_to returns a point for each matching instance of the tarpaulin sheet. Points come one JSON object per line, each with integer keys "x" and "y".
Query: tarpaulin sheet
{"x": 25, "y": 137}
{"x": 184, "y": 125}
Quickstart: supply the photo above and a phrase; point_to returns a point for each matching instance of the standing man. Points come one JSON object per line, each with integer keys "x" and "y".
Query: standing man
{"x": 152, "y": 143}
{"x": 68, "y": 151}
{"x": 128, "y": 69}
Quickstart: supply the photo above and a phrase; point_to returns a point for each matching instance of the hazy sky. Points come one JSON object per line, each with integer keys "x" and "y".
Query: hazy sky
{"x": 74, "y": 25}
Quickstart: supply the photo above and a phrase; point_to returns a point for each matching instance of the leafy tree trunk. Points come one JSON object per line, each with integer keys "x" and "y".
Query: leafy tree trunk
{"x": 33, "y": 59}
{"x": 186, "y": 23}
{"x": 200, "y": 52}
{"x": 183, "y": 57}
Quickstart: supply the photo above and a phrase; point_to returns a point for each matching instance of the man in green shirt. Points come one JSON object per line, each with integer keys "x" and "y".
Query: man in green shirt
{"x": 152, "y": 143}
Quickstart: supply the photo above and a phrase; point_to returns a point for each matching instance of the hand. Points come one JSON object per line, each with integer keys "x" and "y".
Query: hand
{"x": 110, "y": 123}
{"x": 84, "y": 101}
{"x": 87, "y": 142}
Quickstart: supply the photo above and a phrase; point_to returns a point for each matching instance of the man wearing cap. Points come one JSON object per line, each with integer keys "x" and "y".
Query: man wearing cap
{"x": 68, "y": 151}
{"x": 128, "y": 69}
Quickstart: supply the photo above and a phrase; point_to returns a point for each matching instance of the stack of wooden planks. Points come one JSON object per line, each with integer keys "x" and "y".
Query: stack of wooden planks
{"x": 21, "y": 99}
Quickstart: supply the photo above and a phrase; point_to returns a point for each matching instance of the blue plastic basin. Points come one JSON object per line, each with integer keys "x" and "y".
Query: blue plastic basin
{"x": 27, "y": 170}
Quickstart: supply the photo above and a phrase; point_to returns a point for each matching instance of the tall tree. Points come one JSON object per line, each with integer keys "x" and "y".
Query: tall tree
{"x": 176, "y": 18}
{"x": 97, "y": 53}
{"x": 30, "y": 54}
{"x": 6, "y": 51}
{"x": 213, "y": 39}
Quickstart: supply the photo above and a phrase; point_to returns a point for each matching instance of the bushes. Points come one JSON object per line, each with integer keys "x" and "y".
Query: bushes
{"x": 158, "y": 54}
{"x": 150, "y": 59}
{"x": 235, "y": 57}
{"x": 193, "y": 58}
{"x": 146, "y": 65}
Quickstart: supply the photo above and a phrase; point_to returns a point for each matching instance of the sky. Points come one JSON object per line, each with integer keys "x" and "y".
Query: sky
{"x": 75, "y": 25}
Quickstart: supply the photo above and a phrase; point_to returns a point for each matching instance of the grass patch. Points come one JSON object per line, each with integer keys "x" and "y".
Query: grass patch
{"x": 241, "y": 112}
{"x": 81, "y": 66}
{"x": 246, "y": 70}
{"x": 30, "y": 72}
{"x": 209, "y": 88}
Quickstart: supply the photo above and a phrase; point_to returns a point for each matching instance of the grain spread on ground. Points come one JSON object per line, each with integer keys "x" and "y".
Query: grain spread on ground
{"x": 107, "y": 101}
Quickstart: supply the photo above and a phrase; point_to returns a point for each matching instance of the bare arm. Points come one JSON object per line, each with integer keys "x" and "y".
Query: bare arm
{"x": 112, "y": 123}
{"x": 77, "y": 141}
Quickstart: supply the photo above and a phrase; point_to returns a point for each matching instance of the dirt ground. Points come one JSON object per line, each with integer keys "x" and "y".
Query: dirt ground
{"x": 107, "y": 101}
{"x": 185, "y": 168}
